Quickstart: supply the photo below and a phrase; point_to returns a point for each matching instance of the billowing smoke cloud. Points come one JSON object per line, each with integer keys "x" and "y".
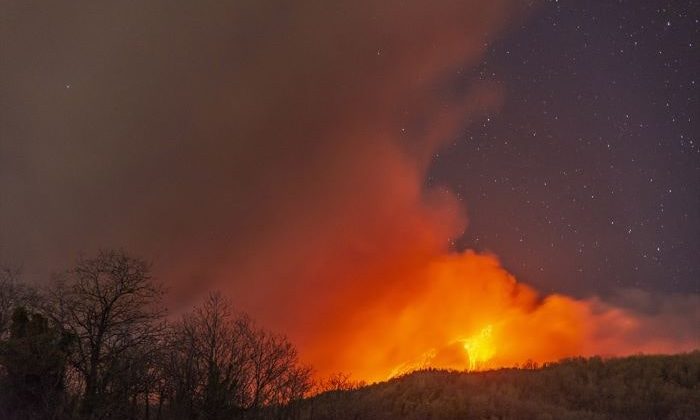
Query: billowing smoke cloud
{"x": 277, "y": 151}
{"x": 241, "y": 145}
{"x": 465, "y": 311}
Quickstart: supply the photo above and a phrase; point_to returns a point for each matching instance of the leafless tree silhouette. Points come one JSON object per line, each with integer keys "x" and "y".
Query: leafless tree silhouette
{"x": 111, "y": 306}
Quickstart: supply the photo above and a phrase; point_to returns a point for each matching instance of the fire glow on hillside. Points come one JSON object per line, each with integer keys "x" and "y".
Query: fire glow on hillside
{"x": 466, "y": 312}
{"x": 317, "y": 161}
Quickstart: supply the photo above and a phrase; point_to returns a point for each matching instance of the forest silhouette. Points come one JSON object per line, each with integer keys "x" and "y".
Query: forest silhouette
{"x": 97, "y": 344}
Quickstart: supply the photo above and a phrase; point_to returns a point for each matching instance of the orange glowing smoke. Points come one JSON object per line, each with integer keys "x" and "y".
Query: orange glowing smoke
{"x": 337, "y": 241}
{"x": 471, "y": 314}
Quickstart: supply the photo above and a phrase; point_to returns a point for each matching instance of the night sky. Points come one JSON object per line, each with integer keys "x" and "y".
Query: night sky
{"x": 591, "y": 170}
{"x": 338, "y": 168}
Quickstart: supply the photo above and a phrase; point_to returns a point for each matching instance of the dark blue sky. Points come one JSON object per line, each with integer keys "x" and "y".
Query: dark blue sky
{"x": 588, "y": 178}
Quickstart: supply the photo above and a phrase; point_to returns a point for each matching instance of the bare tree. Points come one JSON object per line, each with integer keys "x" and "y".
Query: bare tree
{"x": 222, "y": 366}
{"x": 272, "y": 361}
{"x": 110, "y": 354}
{"x": 338, "y": 382}
{"x": 111, "y": 306}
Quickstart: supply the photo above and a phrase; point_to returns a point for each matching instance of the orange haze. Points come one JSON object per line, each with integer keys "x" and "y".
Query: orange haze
{"x": 327, "y": 231}
{"x": 469, "y": 313}
{"x": 345, "y": 248}
{"x": 279, "y": 151}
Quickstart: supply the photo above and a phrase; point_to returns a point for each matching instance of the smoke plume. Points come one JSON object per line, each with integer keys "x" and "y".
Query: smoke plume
{"x": 278, "y": 151}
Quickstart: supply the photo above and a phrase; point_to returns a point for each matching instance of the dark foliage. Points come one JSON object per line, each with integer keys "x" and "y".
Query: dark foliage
{"x": 34, "y": 358}
{"x": 636, "y": 388}
{"x": 97, "y": 346}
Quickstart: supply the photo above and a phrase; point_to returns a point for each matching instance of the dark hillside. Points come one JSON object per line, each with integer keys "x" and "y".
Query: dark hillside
{"x": 638, "y": 387}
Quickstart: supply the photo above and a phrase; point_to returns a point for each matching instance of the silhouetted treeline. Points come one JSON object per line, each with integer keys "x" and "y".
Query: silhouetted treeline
{"x": 97, "y": 345}
{"x": 635, "y": 388}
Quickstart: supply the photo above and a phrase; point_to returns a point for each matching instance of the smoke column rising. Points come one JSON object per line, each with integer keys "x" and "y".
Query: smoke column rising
{"x": 278, "y": 151}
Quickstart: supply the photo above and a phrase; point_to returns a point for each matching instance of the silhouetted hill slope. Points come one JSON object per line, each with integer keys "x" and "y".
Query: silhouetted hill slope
{"x": 638, "y": 387}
